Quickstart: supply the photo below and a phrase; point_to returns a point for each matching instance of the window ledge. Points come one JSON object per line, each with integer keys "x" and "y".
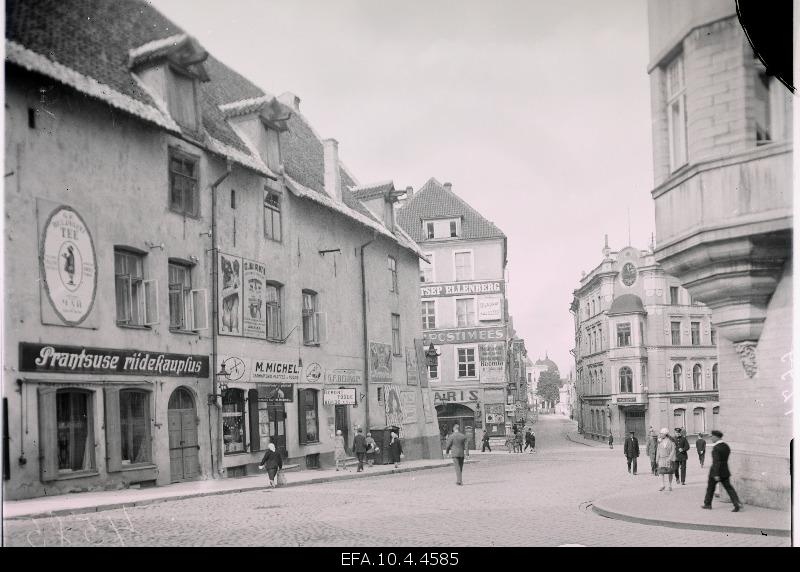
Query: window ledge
{"x": 184, "y": 214}
{"x": 138, "y": 467}
{"x": 312, "y": 344}
{"x": 277, "y": 340}
{"x": 133, "y": 327}
{"x": 236, "y": 453}
{"x": 77, "y": 474}
{"x": 310, "y": 443}
{"x": 184, "y": 332}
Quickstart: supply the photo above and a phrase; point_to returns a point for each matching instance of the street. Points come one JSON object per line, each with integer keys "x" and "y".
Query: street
{"x": 539, "y": 499}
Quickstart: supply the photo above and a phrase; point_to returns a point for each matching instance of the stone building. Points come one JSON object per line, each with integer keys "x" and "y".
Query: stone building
{"x": 645, "y": 351}
{"x": 187, "y": 266}
{"x": 723, "y": 192}
{"x": 464, "y": 309}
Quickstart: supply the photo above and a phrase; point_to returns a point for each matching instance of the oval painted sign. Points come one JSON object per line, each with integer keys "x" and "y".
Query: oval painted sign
{"x": 69, "y": 265}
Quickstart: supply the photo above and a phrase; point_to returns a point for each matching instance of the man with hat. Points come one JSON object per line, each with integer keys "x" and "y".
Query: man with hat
{"x": 631, "y": 450}
{"x": 700, "y": 447}
{"x": 681, "y": 455}
{"x": 720, "y": 473}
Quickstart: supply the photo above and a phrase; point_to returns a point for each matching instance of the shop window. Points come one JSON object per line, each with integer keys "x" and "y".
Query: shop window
{"x": 466, "y": 362}
{"x": 677, "y": 378}
{"x": 676, "y": 333}
{"x": 66, "y": 435}
{"x": 136, "y": 298}
{"x": 715, "y": 376}
{"x": 695, "y": 333}
{"x": 396, "y": 340}
{"x": 272, "y": 216}
{"x": 274, "y": 321}
{"x": 183, "y": 183}
{"x": 699, "y": 420}
{"x": 697, "y": 377}
{"x": 625, "y": 380}
{"x": 259, "y": 421}
{"x": 392, "y": 265}
{"x": 233, "y": 422}
{"x": 428, "y": 314}
{"x": 134, "y": 418}
{"x": 623, "y": 335}
{"x": 308, "y": 416}
{"x": 465, "y": 312}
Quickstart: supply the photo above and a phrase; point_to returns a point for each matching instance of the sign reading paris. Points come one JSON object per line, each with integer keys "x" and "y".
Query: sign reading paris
{"x": 68, "y": 265}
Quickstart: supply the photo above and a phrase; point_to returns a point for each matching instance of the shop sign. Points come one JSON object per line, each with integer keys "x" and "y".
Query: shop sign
{"x": 493, "y": 365}
{"x": 339, "y": 396}
{"x": 463, "y": 288}
{"x": 490, "y": 308}
{"x": 464, "y": 335}
{"x": 393, "y": 405}
{"x": 68, "y": 265}
{"x": 314, "y": 373}
{"x": 380, "y": 362}
{"x": 409, "y": 399}
{"x": 626, "y": 400}
{"x": 455, "y": 396}
{"x": 412, "y": 371}
{"x": 509, "y": 409}
{"x": 276, "y": 392}
{"x": 255, "y": 288}
{"x": 81, "y": 360}
{"x": 344, "y": 377}
{"x": 275, "y": 371}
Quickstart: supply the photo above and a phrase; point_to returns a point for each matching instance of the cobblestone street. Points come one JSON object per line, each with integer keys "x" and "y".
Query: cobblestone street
{"x": 540, "y": 499}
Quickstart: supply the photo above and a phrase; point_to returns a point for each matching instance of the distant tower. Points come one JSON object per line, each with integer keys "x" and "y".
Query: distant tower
{"x": 606, "y": 250}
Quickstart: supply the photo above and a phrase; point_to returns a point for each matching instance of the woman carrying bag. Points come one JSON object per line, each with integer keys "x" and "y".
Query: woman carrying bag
{"x": 273, "y": 463}
{"x": 395, "y": 450}
{"x": 665, "y": 458}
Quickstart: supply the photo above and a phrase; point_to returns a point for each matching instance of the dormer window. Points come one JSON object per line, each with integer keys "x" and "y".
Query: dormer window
{"x": 444, "y": 228}
{"x": 182, "y": 95}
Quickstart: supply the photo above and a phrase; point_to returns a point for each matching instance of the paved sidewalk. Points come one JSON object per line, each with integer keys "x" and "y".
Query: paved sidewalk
{"x": 77, "y": 503}
{"x": 576, "y": 437}
{"x": 681, "y": 508}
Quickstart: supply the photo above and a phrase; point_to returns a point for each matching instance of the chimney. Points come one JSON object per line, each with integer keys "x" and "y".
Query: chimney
{"x": 333, "y": 179}
{"x": 448, "y": 186}
{"x": 290, "y": 99}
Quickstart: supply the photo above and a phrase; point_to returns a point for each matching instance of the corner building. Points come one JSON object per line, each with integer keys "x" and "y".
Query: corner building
{"x": 464, "y": 310}
{"x": 723, "y": 192}
{"x": 645, "y": 352}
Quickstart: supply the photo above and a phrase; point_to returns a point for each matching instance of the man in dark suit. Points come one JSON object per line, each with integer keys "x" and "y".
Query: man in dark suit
{"x": 360, "y": 448}
{"x": 681, "y": 454}
{"x": 631, "y": 450}
{"x": 700, "y": 446}
{"x": 720, "y": 473}
{"x": 457, "y": 442}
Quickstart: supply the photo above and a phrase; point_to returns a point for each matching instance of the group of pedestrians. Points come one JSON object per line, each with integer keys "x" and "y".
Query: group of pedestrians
{"x": 365, "y": 449}
{"x": 668, "y": 455}
{"x": 518, "y": 442}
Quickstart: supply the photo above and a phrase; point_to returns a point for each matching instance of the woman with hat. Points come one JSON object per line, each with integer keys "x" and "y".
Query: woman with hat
{"x": 665, "y": 458}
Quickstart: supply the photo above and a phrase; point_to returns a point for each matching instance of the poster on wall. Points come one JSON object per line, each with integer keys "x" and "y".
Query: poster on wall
{"x": 495, "y": 414}
{"x": 493, "y": 365}
{"x": 230, "y": 295}
{"x": 67, "y": 265}
{"x": 237, "y": 368}
{"x": 380, "y": 362}
{"x": 412, "y": 370}
{"x": 340, "y": 396}
{"x": 490, "y": 308}
{"x": 427, "y": 408}
{"x": 344, "y": 377}
{"x": 409, "y": 399}
{"x": 422, "y": 363}
{"x": 254, "y": 309}
{"x": 393, "y": 405}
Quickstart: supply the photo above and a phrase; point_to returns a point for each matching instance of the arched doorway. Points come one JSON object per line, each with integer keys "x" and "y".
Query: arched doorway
{"x": 183, "y": 447}
{"x": 451, "y": 413}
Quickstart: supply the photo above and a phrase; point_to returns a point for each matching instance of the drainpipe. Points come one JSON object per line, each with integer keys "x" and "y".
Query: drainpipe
{"x": 214, "y": 331}
{"x": 366, "y": 335}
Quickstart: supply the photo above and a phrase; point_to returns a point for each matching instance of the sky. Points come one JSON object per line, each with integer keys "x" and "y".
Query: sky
{"x": 537, "y": 112}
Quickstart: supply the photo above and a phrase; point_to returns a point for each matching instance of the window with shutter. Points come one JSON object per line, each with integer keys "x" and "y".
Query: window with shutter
{"x": 48, "y": 434}
{"x": 134, "y": 421}
{"x": 113, "y": 430}
{"x": 252, "y": 410}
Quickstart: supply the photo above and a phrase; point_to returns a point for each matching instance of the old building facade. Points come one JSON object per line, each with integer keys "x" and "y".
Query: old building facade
{"x": 196, "y": 275}
{"x": 464, "y": 310}
{"x": 645, "y": 352}
{"x": 723, "y": 192}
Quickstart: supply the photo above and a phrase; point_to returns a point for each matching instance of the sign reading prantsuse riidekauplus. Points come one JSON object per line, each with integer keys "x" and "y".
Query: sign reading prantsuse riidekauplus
{"x": 79, "y": 359}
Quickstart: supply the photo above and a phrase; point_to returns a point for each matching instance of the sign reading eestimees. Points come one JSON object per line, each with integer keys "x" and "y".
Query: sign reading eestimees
{"x": 464, "y": 335}
{"x": 76, "y": 359}
{"x": 462, "y": 288}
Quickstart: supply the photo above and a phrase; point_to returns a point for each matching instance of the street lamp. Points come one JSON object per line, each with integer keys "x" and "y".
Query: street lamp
{"x": 431, "y": 356}
{"x": 221, "y": 384}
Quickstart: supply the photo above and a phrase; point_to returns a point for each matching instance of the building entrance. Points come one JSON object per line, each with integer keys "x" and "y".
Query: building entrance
{"x": 634, "y": 421}
{"x": 183, "y": 447}
{"x": 453, "y": 413}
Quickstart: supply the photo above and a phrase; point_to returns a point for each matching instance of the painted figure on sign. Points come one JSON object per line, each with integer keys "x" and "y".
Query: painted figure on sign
{"x": 230, "y": 295}
{"x": 69, "y": 264}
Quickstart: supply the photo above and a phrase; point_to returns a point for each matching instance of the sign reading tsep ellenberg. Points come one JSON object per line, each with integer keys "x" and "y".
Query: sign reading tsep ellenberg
{"x": 462, "y": 288}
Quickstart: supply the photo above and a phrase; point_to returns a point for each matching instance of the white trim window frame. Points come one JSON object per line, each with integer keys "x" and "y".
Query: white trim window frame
{"x": 273, "y": 227}
{"x": 676, "y": 113}
{"x": 136, "y": 297}
{"x": 428, "y": 314}
{"x": 272, "y": 295}
{"x": 179, "y": 287}
{"x": 465, "y": 276}
{"x": 470, "y": 315}
{"x": 397, "y": 340}
{"x": 391, "y": 263}
{"x": 427, "y": 271}
{"x": 469, "y": 361}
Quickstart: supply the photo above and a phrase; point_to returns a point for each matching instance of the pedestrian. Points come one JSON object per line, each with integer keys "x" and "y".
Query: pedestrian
{"x": 519, "y": 441}
{"x": 338, "y": 450}
{"x": 610, "y": 441}
{"x": 700, "y": 446}
{"x": 652, "y": 448}
{"x": 631, "y": 450}
{"x": 681, "y": 455}
{"x": 395, "y": 450}
{"x": 272, "y": 462}
{"x": 665, "y": 457}
{"x": 528, "y": 440}
{"x": 533, "y": 440}
{"x": 360, "y": 448}
{"x": 720, "y": 473}
{"x": 485, "y": 442}
{"x": 511, "y": 443}
{"x": 372, "y": 448}
{"x": 456, "y": 442}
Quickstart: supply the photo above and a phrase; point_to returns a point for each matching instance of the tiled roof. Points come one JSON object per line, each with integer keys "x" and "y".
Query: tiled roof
{"x": 434, "y": 201}
{"x": 91, "y": 44}
{"x": 366, "y": 192}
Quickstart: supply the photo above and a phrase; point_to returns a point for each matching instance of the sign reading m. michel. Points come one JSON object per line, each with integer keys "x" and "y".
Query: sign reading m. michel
{"x": 77, "y": 359}
{"x": 464, "y": 335}
{"x": 462, "y": 288}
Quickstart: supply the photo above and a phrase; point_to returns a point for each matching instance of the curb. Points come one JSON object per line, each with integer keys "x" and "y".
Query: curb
{"x": 607, "y": 513}
{"x": 569, "y": 438}
{"x": 145, "y": 502}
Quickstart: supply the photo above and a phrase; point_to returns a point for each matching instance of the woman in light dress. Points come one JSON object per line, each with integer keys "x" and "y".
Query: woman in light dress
{"x": 338, "y": 449}
{"x": 665, "y": 458}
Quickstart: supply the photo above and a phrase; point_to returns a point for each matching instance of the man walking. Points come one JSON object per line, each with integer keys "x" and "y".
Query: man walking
{"x": 681, "y": 454}
{"x": 700, "y": 445}
{"x": 485, "y": 442}
{"x": 457, "y": 441}
{"x": 652, "y": 450}
{"x": 720, "y": 473}
{"x": 631, "y": 450}
{"x": 360, "y": 448}
{"x": 528, "y": 440}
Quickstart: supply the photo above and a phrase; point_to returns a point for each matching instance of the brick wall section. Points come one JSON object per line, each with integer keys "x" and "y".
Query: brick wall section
{"x": 753, "y": 411}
